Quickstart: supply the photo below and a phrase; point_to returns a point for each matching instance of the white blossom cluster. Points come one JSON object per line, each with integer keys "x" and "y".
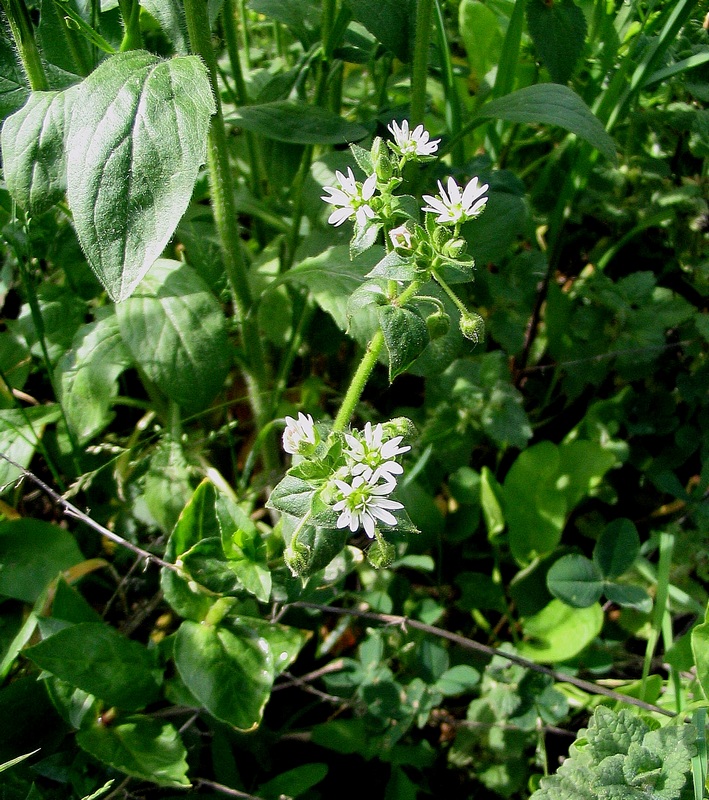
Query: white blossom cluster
{"x": 366, "y": 479}
{"x": 454, "y": 204}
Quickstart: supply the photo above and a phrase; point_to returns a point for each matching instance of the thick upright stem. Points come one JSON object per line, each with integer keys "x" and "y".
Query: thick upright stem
{"x": 419, "y": 69}
{"x": 225, "y": 217}
{"x": 23, "y": 34}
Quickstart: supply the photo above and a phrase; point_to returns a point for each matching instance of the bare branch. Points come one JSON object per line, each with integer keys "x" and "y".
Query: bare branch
{"x": 470, "y": 644}
{"x": 71, "y": 510}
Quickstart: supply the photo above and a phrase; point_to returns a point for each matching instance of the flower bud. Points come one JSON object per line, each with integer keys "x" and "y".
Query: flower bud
{"x": 401, "y": 238}
{"x": 381, "y": 161}
{"x": 454, "y": 247}
{"x": 400, "y": 426}
{"x": 438, "y": 324}
{"x": 381, "y": 554}
{"x": 297, "y": 560}
{"x": 472, "y": 326}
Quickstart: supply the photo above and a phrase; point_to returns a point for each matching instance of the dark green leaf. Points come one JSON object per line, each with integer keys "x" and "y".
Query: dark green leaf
{"x": 87, "y": 375}
{"x": 405, "y": 336}
{"x": 296, "y": 123}
{"x": 33, "y": 158}
{"x": 231, "y": 675}
{"x": 392, "y": 22}
{"x": 196, "y": 522}
{"x": 576, "y": 581}
{"x": 617, "y": 548}
{"x": 32, "y": 554}
{"x": 552, "y": 104}
{"x": 558, "y": 31}
{"x": 135, "y": 145}
{"x": 175, "y": 330}
{"x": 13, "y": 89}
{"x": 142, "y": 747}
{"x": 96, "y": 658}
{"x": 171, "y": 16}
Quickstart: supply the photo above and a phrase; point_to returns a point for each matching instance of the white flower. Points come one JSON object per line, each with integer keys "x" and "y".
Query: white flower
{"x": 372, "y": 458}
{"x": 351, "y": 198}
{"x": 363, "y": 503}
{"x": 401, "y": 237}
{"x": 457, "y": 206}
{"x": 299, "y": 432}
{"x": 412, "y": 143}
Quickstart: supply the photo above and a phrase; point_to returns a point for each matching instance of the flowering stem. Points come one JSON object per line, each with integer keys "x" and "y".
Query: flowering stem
{"x": 367, "y": 364}
{"x": 453, "y": 296}
{"x": 419, "y": 68}
{"x": 359, "y": 381}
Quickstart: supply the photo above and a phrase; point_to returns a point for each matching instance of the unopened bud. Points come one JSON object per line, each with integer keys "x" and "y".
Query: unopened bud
{"x": 381, "y": 554}
{"x": 400, "y": 426}
{"x": 401, "y": 238}
{"x": 454, "y": 247}
{"x": 438, "y": 324}
{"x": 472, "y": 326}
{"x": 297, "y": 560}
{"x": 383, "y": 167}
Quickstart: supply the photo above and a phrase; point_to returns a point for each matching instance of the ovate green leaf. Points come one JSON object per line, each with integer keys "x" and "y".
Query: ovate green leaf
{"x": 700, "y": 649}
{"x": 136, "y": 141}
{"x": 405, "y": 336}
{"x": 87, "y": 375}
{"x": 230, "y": 674}
{"x": 552, "y": 104}
{"x": 142, "y": 747}
{"x": 96, "y": 658}
{"x": 174, "y": 328}
{"x": 33, "y": 158}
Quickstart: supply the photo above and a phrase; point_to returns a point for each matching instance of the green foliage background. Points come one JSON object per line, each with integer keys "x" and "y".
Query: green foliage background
{"x": 171, "y": 290}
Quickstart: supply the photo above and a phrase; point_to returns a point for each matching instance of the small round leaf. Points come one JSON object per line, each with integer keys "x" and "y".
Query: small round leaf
{"x": 617, "y": 548}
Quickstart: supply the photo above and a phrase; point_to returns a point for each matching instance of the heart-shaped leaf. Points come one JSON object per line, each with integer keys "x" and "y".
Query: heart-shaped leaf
{"x": 136, "y": 141}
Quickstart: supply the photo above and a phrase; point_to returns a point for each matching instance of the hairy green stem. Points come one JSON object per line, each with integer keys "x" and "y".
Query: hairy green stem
{"x": 366, "y": 366}
{"x": 23, "y": 34}
{"x": 225, "y": 217}
{"x": 419, "y": 68}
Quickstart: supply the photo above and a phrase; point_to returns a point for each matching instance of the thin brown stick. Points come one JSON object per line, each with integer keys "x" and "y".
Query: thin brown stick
{"x": 71, "y": 510}
{"x": 218, "y": 787}
{"x": 470, "y": 644}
